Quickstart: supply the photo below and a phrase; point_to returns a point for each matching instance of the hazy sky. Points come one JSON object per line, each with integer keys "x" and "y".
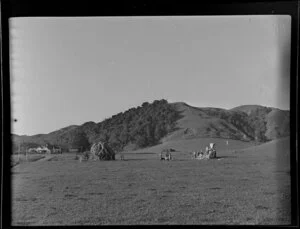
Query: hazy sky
{"x": 68, "y": 71}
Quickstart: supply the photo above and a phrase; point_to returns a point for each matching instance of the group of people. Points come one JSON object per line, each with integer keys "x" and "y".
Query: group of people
{"x": 168, "y": 156}
{"x": 209, "y": 152}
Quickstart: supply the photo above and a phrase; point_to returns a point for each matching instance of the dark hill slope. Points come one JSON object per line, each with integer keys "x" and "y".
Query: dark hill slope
{"x": 275, "y": 122}
{"x": 208, "y": 122}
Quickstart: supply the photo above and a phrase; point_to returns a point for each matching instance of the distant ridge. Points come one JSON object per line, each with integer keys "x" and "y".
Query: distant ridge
{"x": 160, "y": 121}
{"x": 247, "y": 123}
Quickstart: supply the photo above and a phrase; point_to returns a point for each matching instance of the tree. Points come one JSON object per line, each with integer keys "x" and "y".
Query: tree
{"x": 149, "y": 133}
{"x": 159, "y": 132}
{"x": 141, "y": 140}
{"x": 124, "y": 135}
{"x": 103, "y": 136}
{"x": 145, "y": 104}
{"x": 79, "y": 141}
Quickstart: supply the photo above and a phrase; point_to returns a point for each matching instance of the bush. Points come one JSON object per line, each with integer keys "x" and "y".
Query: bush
{"x": 86, "y": 155}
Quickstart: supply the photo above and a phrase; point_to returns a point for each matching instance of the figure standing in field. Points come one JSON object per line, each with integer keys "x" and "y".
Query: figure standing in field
{"x": 212, "y": 151}
{"x": 168, "y": 156}
{"x": 206, "y": 150}
{"x": 26, "y": 155}
{"x": 227, "y": 143}
{"x": 194, "y": 154}
{"x": 161, "y": 156}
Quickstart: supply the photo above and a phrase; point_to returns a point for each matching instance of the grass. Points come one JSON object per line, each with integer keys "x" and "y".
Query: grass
{"x": 17, "y": 159}
{"x": 247, "y": 186}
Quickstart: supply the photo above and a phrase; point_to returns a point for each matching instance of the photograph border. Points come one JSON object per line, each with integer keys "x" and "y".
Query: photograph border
{"x": 33, "y": 8}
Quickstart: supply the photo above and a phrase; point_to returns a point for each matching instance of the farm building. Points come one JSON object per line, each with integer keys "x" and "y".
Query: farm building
{"x": 42, "y": 149}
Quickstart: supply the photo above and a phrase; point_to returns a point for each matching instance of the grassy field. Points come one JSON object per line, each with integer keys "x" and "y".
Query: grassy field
{"x": 21, "y": 158}
{"x": 246, "y": 185}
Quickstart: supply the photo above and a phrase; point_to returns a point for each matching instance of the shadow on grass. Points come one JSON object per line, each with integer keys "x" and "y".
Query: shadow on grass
{"x": 135, "y": 159}
{"x": 168, "y": 191}
{"x": 225, "y": 157}
{"x": 95, "y": 193}
{"x": 260, "y": 207}
{"x": 215, "y": 188}
{"x": 140, "y": 153}
{"x": 26, "y": 199}
{"x": 55, "y": 159}
{"x": 83, "y": 198}
{"x": 269, "y": 193}
{"x": 164, "y": 219}
{"x": 70, "y": 195}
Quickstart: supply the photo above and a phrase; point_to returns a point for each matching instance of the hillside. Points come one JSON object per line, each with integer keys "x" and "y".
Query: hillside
{"x": 247, "y": 123}
{"x": 210, "y": 122}
{"x": 276, "y": 121}
{"x": 278, "y": 149}
{"x": 158, "y": 122}
{"x": 142, "y": 126}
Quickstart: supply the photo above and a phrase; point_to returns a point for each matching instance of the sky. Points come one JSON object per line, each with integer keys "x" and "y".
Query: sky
{"x": 70, "y": 70}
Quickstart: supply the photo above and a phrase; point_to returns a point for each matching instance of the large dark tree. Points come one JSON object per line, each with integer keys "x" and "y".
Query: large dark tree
{"x": 79, "y": 141}
{"x": 143, "y": 126}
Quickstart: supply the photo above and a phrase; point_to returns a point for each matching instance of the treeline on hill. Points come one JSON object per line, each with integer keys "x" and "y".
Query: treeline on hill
{"x": 142, "y": 126}
{"x": 252, "y": 125}
{"x": 147, "y": 124}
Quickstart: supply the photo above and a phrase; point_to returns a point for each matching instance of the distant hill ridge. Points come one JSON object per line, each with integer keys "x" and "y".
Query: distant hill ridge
{"x": 247, "y": 122}
{"x": 160, "y": 121}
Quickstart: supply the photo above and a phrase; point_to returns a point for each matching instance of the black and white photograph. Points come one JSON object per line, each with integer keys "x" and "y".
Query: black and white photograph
{"x": 150, "y": 120}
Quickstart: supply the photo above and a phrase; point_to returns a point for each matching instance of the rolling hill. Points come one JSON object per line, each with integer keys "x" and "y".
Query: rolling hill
{"x": 153, "y": 123}
{"x": 246, "y": 123}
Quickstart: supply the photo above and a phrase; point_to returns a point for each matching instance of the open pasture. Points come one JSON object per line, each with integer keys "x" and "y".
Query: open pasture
{"x": 246, "y": 185}
{"x": 21, "y": 158}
